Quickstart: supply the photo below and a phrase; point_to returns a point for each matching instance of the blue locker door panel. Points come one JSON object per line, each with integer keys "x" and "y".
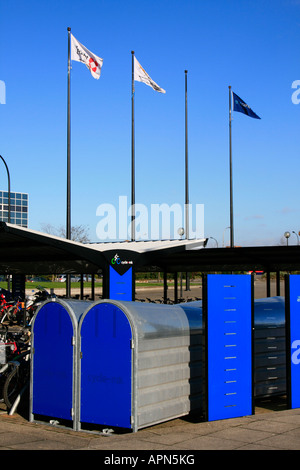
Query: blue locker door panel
{"x": 53, "y": 362}
{"x": 294, "y": 294}
{"x": 106, "y": 367}
{"x": 229, "y": 338}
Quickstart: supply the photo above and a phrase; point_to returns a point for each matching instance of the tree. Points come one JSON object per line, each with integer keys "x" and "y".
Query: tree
{"x": 79, "y": 233}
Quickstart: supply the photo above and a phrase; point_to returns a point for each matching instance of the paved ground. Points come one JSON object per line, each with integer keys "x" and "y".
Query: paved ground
{"x": 265, "y": 430}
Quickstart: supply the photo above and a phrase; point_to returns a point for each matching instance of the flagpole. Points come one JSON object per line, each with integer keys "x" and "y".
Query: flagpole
{"x": 68, "y": 226}
{"x": 68, "y": 221}
{"x": 230, "y": 169}
{"x": 187, "y": 282}
{"x": 132, "y": 156}
{"x": 186, "y": 165}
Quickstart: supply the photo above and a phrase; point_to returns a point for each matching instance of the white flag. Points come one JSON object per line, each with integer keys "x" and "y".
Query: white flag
{"x": 82, "y": 54}
{"x": 140, "y": 75}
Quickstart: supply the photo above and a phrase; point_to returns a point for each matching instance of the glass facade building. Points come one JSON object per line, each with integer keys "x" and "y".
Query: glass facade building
{"x": 18, "y": 208}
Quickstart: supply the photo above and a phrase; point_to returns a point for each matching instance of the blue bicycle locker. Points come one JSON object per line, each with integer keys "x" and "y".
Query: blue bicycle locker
{"x": 54, "y": 360}
{"x": 139, "y": 363}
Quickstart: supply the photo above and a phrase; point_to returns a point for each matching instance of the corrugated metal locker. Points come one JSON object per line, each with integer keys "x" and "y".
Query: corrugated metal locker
{"x": 140, "y": 363}
{"x": 269, "y": 347}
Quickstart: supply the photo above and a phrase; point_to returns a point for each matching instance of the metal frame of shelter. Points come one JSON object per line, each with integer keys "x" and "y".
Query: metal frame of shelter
{"x": 24, "y": 251}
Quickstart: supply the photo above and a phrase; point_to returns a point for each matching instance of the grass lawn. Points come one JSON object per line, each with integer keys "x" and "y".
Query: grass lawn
{"x": 88, "y": 285}
{"x": 52, "y": 285}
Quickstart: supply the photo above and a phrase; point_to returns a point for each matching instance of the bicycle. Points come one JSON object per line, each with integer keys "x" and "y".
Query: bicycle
{"x": 4, "y": 307}
{"x": 12, "y": 311}
{"x": 16, "y": 381}
{"x": 14, "y": 349}
{"x": 8, "y": 351}
{"x": 33, "y": 301}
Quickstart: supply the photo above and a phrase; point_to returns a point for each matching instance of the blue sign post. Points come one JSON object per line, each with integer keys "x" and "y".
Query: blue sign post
{"x": 292, "y": 296}
{"x": 120, "y": 285}
{"x": 120, "y": 275}
{"x": 228, "y": 315}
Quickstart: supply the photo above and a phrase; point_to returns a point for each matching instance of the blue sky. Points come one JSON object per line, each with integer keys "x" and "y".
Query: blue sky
{"x": 251, "y": 45}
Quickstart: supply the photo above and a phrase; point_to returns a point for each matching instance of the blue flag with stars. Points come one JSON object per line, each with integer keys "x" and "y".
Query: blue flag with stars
{"x": 240, "y": 106}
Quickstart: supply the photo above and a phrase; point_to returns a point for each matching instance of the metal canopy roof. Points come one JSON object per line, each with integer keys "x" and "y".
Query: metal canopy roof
{"x": 24, "y": 251}
{"x": 267, "y": 258}
{"x": 27, "y": 251}
{"x": 145, "y": 246}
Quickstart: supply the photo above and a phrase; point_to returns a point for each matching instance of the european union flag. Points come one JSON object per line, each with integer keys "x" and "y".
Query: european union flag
{"x": 242, "y": 107}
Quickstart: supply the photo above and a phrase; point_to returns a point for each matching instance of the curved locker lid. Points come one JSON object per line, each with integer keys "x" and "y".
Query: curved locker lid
{"x": 75, "y": 308}
{"x": 269, "y": 310}
{"x": 155, "y": 320}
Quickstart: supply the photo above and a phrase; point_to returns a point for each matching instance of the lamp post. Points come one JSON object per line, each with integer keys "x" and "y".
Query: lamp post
{"x": 8, "y": 181}
{"x": 180, "y": 232}
{"x": 223, "y": 236}
{"x": 287, "y": 236}
{"x": 215, "y": 241}
{"x": 296, "y": 236}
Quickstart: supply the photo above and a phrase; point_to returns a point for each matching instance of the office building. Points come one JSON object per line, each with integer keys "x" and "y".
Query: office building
{"x": 18, "y": 208}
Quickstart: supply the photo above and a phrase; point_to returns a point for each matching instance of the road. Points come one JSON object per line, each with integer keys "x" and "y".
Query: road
{"x": 195, "y": 292}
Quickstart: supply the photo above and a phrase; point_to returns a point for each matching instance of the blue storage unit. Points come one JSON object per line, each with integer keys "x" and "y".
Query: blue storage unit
{"x": 53, "y": 382}
{"x": 139, "y": 363}
{"x": 293, "y": 339}
{"x": 228, "y": 310}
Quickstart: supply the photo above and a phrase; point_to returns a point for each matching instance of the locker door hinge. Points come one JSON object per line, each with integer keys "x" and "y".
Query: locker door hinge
{"x": 72, "y": 412}
{"x": 131, "y": 344}
{"x": 80, "y": 354}
{"x": 131, "y": 419}
{"x": 73, "y": 341}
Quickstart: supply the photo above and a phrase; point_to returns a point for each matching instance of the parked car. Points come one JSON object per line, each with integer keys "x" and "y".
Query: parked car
{"x": 63, "y": 278}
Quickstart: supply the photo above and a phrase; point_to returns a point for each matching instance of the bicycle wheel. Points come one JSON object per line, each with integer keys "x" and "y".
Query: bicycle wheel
{"x": 11, "y": 313}
{"x": 12, "y": 387}
{"x": 2, "y": 382}
{"x": 15, "y": 382}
